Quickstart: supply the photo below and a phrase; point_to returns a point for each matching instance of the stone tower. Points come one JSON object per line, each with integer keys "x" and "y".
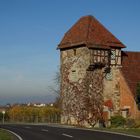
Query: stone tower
{"x": 90, "y": 66}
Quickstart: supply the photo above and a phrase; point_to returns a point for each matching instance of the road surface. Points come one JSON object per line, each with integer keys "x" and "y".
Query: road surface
{"x": 44, "y": 132}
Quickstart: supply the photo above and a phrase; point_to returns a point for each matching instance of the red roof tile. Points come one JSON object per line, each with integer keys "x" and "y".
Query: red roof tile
{"x": 90, "y": 32}
{"x": 131, "y": 69}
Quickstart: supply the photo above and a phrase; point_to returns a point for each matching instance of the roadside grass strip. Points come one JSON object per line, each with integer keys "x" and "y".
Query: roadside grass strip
{"x": 9, "y": 135}
{"x": 4, "y": 135}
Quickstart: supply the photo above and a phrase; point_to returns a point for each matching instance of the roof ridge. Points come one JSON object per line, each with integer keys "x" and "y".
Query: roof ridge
{"x": 90, "y": 19}
{"x": 90, "y": 31}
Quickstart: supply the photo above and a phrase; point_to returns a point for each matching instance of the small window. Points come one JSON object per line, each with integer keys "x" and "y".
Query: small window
{"x": 74, "y": 50}
{"x": 74, "y": 76}
{"x": 109, "y": 76}
{"x": 113, "y": 54}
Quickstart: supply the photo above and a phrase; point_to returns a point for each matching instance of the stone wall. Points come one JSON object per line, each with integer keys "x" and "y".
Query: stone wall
{"x": 84, "y": 91}
{"x": 81, "y": 90}
{"x": 73, "y": 71}
{"x": 117, "y": 90}
{"x": 112, "y": 88}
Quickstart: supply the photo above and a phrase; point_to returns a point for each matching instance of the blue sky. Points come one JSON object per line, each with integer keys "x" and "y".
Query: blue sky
{"x": 30, "y": 31}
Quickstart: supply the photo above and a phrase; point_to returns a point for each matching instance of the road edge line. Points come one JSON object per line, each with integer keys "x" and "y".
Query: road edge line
{"x": 13, "y": 133}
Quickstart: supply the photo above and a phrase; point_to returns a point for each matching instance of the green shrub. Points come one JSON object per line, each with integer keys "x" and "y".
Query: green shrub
{"x": 117, "y": 121}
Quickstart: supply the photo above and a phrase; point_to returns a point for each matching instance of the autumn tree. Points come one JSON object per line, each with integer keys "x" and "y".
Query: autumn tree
{"x": 34, "y": 114}
{"x": 55, "y": 89}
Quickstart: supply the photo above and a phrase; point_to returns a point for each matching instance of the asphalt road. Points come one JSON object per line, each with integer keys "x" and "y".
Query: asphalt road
{"x": 44, "y": 132}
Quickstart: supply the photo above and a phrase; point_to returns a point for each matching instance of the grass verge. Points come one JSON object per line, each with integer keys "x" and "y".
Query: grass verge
{"x": 4, "y": 135}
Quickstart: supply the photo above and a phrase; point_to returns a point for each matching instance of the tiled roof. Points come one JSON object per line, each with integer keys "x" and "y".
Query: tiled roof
{"x": 131, "y": 69}
{"x": 90, "y": 32}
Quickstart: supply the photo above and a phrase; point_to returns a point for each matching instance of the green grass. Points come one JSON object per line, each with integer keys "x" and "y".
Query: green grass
{"x": 4, "y": 135}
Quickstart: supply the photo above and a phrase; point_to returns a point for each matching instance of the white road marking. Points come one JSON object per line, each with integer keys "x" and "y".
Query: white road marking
{"x": 14, "y": 134}
{"x": 45, "y": 130}
{"x": 67, "y": 135}
{"x": 27, "y": 127}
